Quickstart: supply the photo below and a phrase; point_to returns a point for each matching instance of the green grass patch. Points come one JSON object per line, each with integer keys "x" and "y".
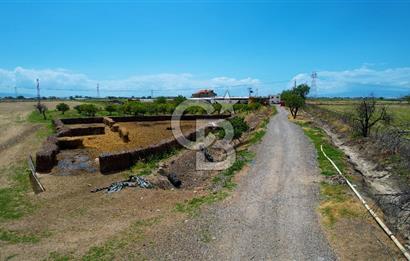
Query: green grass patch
{"x": 16, "y": 237}
{"x": 146, "y": 166}
{"x": 192, "y": 206}
{"x": 55, "y": 256}
{"x": 318, "y": 137}
{"x": 336, "y": 193}
{"x": 37, "y": 117}
{"x": 13, "y": 201}
{"x": 400, "y": 112}
{"x": 257, "y": 136}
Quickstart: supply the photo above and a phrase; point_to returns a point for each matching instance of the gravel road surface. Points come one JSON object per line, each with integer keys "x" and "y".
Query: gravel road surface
{"x": 271, "y": 215}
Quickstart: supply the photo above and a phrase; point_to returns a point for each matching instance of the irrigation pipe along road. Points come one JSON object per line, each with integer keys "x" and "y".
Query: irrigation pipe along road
{"x": 379, "y": 221}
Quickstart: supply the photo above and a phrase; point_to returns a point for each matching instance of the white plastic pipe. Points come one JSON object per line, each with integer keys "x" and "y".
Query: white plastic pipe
{"x": 379, "y": 221}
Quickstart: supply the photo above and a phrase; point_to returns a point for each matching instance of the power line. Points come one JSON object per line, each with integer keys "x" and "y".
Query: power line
{"x": 263, "y": 85}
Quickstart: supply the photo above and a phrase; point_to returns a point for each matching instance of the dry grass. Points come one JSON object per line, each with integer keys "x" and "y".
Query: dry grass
{"x": 337, "y": 203}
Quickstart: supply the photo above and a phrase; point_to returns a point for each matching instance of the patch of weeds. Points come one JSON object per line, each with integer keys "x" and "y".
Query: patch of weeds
{"x": 225, "y": 177}
{"x": 45, "y": 131}
{"x": 36, "y": 117}
{"x": 16, "y": 237}
{"x": 192, "y": 206}
{"x": 13, "y": 201}
{"x": 55, "y": 256}
{"x": 110, "y": 249}
{"x": 318, "y": 137}
{"x": 146, "y": 166}
{"x": 337, "y": 203}
{"x": 336, "y": 193}
{"x": 257, "y": 136}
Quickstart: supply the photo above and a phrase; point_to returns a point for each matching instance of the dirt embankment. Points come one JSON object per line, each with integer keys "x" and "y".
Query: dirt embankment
{"x": 380, "y": 182}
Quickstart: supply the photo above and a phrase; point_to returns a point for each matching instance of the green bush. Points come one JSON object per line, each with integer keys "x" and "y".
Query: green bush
{"x": 178, "y": 100}
{"x": 160, "y": 100}
{"x": 239, "y": 126}
{"x": 63, "y": 107}
{"x": 78, "y": 108}
{"x": 254, "y": 106}
{"x": 87, "y": 109}
{"x": 110, "y": 108}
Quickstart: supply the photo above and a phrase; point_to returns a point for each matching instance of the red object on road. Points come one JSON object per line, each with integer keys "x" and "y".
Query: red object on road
{"x": 282, "y": 103}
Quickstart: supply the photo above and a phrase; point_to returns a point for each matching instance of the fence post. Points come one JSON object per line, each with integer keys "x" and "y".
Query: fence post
{"x": 35, "y": 182}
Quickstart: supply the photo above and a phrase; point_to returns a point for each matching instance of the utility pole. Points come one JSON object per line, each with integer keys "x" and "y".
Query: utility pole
{"x": 313, "y": 85}
{"x": 250, "y": 91}
{"x": 98, "y": 90}
{"x": 152, "y": 94}
{"x": 294, "y": 85}
{"x": 15, "y": 91}
{"x": 38, "y": 91}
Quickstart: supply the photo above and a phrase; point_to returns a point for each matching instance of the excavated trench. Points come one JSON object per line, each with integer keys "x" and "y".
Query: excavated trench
{"x": 385, "y": 188}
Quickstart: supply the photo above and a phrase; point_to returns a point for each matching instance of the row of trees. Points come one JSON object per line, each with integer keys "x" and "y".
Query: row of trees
{"x": 159, "y": 106}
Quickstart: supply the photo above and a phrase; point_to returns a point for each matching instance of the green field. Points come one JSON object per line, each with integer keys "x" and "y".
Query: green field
{"x": 400, "y": 112}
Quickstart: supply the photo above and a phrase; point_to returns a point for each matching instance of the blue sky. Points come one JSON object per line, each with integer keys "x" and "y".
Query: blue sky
{"x": 178, "y": 47}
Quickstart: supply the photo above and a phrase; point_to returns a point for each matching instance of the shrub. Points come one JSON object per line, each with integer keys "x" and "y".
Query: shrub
{"x": 63, "y": 107}
{"x": 254, "y": 106}
{"x": 110, "y": 108}
{"x": 160, "y": 100}
{"x": 239, "y": 126}
{"x": 179, "y": 99}
{"x": 87, "y": 109}
{"x": 78, "y": 108}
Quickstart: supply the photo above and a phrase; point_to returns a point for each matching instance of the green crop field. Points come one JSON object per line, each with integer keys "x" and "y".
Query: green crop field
{"x": 400, "y": 112}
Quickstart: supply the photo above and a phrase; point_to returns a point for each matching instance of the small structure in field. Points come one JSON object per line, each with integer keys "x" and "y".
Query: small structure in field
{"x": 274, "y": 99}
{"x": 204, "y": 94}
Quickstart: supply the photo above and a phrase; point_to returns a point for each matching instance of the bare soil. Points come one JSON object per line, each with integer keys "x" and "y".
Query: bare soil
{"x": 17, "y": 136}
{"x": 141, "y": 135}
{"x": 68, "y": 219}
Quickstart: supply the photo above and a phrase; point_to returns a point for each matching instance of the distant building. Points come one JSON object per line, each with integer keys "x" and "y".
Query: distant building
{"x": 204, "y": 94}
{"x": 274, "y": 99}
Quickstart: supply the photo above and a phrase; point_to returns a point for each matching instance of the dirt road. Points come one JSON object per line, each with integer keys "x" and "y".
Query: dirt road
{"x": 272, "y": 213}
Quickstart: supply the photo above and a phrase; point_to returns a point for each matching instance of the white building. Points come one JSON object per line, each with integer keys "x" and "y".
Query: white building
{"x": 274, "y": 99}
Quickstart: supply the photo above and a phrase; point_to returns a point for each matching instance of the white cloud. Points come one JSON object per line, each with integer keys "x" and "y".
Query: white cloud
{"x": 395, "y": 81}
{"x": 64, "y": 82}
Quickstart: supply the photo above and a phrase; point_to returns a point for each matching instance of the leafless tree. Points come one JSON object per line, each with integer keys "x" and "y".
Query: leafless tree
{"x": 367, "y": 114}
{"x": 42, "y": 108}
